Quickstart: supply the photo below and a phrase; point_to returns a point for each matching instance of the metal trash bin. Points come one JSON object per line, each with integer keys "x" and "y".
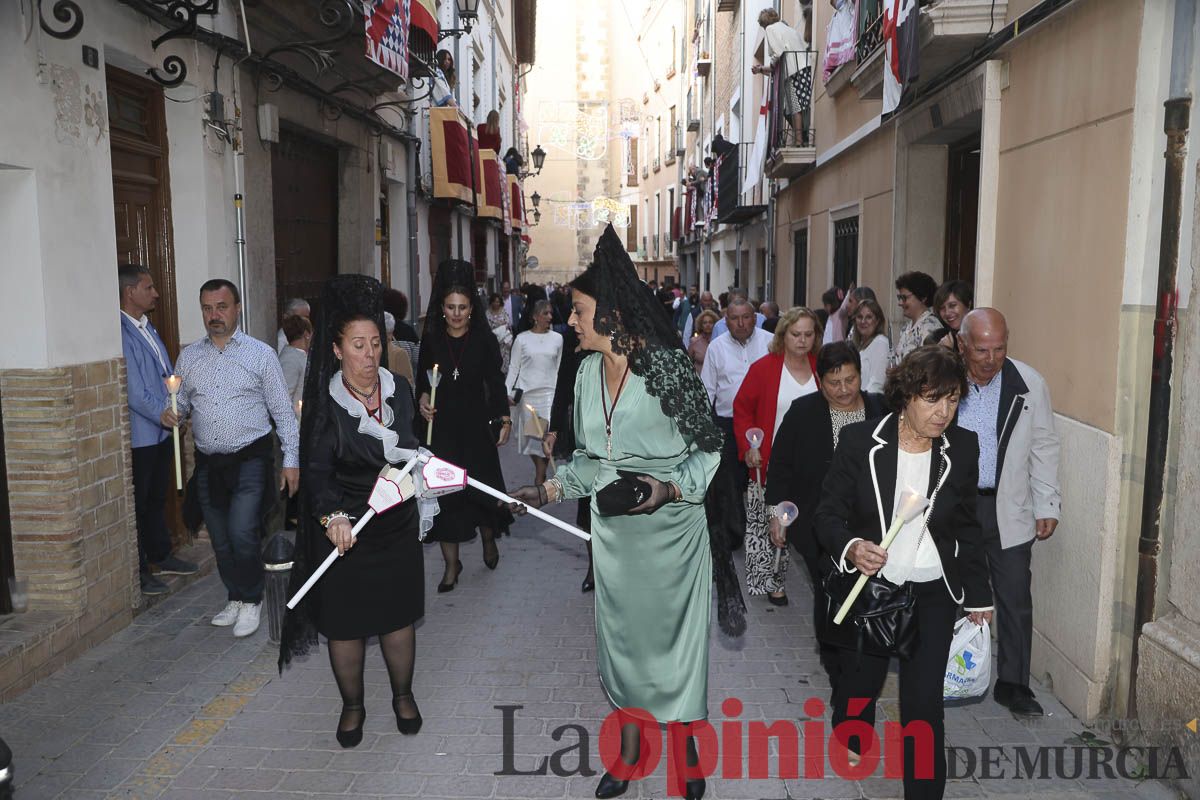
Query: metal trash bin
{"x": 278, "y": 556}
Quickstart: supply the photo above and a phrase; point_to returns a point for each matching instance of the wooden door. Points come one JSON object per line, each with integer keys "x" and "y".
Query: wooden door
{"x": 142, "y": 206}
{"x": 304, "y": 189}
{"x": 141, "y": 191}
{"x": 962, "y": 209}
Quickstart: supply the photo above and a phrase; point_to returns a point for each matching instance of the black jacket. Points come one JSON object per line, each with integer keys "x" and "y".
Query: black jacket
{"x": 857, "y": 497}
{"x": 801, "y": 453}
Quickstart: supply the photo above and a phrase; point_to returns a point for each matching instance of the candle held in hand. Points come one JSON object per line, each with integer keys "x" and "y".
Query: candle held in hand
{"x": 173, "y": 383}
{"x": 434, "y": 379}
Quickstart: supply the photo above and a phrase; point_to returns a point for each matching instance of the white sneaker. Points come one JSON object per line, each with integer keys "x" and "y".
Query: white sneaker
{"x": 228, "y": 615}
{"x": 247, "y": 619}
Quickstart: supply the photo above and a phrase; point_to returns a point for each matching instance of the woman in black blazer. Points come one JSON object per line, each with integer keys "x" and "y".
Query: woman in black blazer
{"x": 801, "y": 456}
{"x": 940, "y": 554}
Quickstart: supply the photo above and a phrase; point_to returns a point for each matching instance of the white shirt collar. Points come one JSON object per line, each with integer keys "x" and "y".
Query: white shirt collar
{"x": 141, "y": 323}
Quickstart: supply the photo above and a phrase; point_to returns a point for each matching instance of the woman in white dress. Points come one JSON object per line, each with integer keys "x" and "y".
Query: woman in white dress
{"x": 533, "y": 370}
{"x": 870, "y": 336}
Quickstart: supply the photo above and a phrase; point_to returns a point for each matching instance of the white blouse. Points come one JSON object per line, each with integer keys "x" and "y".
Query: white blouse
{"x": 906, "y": 561}
{"x": 789, "y": 390}
{"x": 533, "y": 364}
{"x": 875, "y": 363}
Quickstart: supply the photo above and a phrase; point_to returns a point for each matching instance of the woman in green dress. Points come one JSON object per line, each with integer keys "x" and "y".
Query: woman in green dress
{"x": 648, "y": 445}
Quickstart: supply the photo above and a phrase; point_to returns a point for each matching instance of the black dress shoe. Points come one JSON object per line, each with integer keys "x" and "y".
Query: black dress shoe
{"x": 352, "y": 737}
{"x": 610, "y": 787}
{"x": 694, "y": 790}
{"x": 1023, "y": 704}
{"x": 777, "y": 601}
{"x": 444, "y": 587}
{"x": 407, "y": 725}
{"x": 589, "y": 583}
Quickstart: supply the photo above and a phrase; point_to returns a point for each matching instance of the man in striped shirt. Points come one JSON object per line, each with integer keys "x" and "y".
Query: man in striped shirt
{"x": 232, "y": 389}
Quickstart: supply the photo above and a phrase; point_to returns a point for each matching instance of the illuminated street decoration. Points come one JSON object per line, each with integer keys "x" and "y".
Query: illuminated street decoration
{"x": 582, "y": 132}
{"x": 590, "y": 214}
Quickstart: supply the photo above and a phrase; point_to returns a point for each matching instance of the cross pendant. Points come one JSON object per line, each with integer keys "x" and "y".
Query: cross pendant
{"x": 455, "y": 373}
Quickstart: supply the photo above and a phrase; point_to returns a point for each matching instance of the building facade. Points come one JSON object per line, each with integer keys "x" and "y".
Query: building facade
{"x": 265, "y": 149}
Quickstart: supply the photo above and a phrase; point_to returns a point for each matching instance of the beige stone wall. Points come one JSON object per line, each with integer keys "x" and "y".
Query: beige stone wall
{"x": 1065, "y": 138}
{"x": 71, "y": 502}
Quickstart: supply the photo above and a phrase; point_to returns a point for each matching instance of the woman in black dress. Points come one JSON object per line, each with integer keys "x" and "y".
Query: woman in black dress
{"x": 357, "y": 418}
{"x": 471, "y": 401}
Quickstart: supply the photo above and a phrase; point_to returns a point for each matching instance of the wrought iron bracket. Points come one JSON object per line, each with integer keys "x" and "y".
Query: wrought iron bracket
{"x": 174, "y": 68}
{"x": 65, "y": 12}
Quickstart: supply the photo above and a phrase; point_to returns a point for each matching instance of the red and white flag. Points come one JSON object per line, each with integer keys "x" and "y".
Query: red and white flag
{"x": 901, "y": 19}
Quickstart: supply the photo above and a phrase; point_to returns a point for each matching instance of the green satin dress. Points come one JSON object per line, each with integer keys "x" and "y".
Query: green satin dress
{"x": 653, "y": 571}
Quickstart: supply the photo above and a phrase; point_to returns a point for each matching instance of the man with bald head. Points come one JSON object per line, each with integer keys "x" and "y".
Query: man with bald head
{"x": 1008, "y": 406}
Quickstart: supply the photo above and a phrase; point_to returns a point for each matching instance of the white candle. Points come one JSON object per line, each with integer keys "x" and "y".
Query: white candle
{"x": 434, "y": 379}
{"x": 173, "y": 384}
{"x": 535, "y": 420}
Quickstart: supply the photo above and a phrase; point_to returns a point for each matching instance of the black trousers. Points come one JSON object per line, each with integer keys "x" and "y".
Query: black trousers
{"x": 862, "y": 676}
{"x": 151, "y": 471}
{"x": 1012, "y": 579}
{"x": 732, "y": 478}
{"x": 817, "y": 565}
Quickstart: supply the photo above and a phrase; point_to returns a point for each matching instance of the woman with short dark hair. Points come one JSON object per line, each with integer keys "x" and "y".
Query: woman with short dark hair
{"x": 952, "y": 302}
{"x": 914, "y": 292}
{"x": 937, "y": 557}
{"x": 804, "y": 446}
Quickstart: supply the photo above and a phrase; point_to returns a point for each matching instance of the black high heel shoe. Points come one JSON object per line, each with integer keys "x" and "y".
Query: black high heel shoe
{"x": 589, "y": 583}
{"x": 444, "y": 587}
{"x": 694, "y": 789}
{"x": 610, "y": 787}
{"x": 352, "y": 737}
{"x": 407, "y": 726}
{"x": 491, "y": 561}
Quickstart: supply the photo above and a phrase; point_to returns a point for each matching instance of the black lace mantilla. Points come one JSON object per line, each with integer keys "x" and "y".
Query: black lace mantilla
{"x": 670, "y": 377}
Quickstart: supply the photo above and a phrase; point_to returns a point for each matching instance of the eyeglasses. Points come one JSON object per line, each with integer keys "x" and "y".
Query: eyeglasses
{"x": 904, "y": 298}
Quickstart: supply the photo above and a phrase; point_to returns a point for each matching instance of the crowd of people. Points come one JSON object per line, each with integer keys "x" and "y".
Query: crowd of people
{"x": 713, "y": 414}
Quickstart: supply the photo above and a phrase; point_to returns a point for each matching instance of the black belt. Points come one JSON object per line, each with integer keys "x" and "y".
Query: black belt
{"x": 989, "y": 492}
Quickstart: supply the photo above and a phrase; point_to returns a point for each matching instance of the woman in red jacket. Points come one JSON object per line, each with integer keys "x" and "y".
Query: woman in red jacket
{"x": 787, "y": 372}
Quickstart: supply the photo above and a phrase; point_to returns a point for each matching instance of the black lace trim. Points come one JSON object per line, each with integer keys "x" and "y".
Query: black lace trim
{"x": 670, "y": 377}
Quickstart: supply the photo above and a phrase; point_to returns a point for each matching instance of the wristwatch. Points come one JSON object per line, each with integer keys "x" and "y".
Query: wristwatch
{"x": 330, "y": 517}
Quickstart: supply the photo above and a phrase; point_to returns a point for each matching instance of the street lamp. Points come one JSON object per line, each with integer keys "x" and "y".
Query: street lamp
{"x": 537, "y": 217}
{"x": 536, "y": 198}
{"x": 539, "y": 159}
{"x": 468, "y": 12}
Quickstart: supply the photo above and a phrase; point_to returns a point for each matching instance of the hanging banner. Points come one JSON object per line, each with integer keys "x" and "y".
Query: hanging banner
{"x": 517, "y": 204}
{"x": 387, "y": 34}
{"x": 491, "y": 195}
{"x": 424, "y": 16}
{"x": 450, "y": 149}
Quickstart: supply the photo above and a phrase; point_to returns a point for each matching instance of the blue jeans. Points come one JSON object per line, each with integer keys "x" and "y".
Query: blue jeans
{"x": 235, "y": 531}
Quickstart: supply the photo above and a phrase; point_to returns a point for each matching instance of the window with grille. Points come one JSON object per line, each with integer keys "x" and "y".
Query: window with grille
{"x": 800, "y": 267}
{"x": 845, "y": 252}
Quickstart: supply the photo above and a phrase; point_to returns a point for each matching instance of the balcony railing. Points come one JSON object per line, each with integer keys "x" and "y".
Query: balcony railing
{"x": 693, "y": 113}
{"x": 870, "y": 29}
{"x": 734, "y": 206}
{"x": 791, "y": 148}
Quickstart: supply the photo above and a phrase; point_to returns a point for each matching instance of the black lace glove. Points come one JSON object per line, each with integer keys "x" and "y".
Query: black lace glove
{"x": 527, "y": 496}
{"x": 660, "y": 494}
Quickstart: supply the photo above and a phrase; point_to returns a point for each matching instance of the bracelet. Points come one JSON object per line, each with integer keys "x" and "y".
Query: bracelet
{"x": 328, "y": 518}
{"x": 558, "y": 488}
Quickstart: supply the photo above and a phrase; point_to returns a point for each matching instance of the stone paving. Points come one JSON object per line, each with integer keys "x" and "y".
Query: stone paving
{"x": 173, "y": 708}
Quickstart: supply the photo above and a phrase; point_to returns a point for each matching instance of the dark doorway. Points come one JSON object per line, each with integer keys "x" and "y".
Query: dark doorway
{"x": 440, "y": 220}
{"x": 479, "y": 251}
{"x": 142, "y": 211}
{"x": 141, "y": 191}
{"x": 845, "y": 252}
{"x": 800, "y": 267}
{"x": 962, "y": 209}
{"x": 304, "y": 189}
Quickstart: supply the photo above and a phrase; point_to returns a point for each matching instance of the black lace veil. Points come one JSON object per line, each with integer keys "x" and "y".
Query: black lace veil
{"x": 632, "y": 317}
{"x": 454, "y": 275}
{"x": 344, "y": 297}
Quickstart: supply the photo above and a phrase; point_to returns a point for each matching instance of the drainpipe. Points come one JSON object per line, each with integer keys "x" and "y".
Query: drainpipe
{"x": 414, "y": 266}
{"x": 1175, "y": 125}
{"x": 240, "y": 241}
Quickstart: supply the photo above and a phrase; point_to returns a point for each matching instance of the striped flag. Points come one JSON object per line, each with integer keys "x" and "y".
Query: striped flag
{"x": 901, "y": 19}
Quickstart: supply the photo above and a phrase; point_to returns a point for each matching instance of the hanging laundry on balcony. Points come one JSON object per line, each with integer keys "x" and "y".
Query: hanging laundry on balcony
{"x": 840, "y": 36}
{"x": 387, "y": 34}
{"x": 491, "y": 193}
{"x": 452, "y": 149}
{"x": 901, "y": 18}
{"x": 758, "y": 155}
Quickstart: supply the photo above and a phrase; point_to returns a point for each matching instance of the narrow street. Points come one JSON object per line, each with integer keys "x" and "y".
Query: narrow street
{"x": 173, "y": 708}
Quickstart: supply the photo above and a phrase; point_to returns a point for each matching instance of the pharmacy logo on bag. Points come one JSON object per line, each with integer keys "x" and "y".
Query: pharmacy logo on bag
{"x": 966, "y": 661}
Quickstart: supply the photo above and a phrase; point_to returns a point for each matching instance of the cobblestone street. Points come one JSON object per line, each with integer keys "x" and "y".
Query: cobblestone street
{"x": 172, "y": 707}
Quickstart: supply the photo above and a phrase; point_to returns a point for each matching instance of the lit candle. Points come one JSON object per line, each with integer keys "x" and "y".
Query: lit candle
{"x": 173, "y": 384}
{"x": 537, "y": 422}
{"x": 299, "y": 408}
{"x": 786, "y": 512}
{"x": 434, "y": 379}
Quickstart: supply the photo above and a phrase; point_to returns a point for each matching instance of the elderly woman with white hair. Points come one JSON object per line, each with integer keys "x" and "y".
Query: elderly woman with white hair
{"x": 782, "y": 41}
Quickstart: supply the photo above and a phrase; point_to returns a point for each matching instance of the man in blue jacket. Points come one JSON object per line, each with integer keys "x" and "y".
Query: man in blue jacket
{"x": 147, "y": 365}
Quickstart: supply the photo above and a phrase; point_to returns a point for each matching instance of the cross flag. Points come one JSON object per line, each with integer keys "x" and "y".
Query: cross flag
{"x": 387, "y": 34}
{"x": 901, "y": 19}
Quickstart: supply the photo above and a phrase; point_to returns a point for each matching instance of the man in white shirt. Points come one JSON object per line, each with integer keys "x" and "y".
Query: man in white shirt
{"x": 725, "y": 366}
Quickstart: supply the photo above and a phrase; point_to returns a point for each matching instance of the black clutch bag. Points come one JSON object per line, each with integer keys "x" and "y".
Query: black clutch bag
{"x": 622, "y": 495}
{"x": 882, "y": 621}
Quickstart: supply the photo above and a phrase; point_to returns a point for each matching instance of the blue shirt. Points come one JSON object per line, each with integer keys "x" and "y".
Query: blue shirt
{"x": 233, "y": 394}
{"x": 978, "y": 411}
{"x": 723, "y": 327}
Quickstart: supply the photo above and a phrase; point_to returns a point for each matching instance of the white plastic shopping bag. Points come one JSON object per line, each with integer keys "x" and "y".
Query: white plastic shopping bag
{"x": 969, "y": 669}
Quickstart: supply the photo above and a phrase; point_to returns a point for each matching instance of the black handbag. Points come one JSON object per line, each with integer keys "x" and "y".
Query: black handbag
{"x": 882, "y": 621}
